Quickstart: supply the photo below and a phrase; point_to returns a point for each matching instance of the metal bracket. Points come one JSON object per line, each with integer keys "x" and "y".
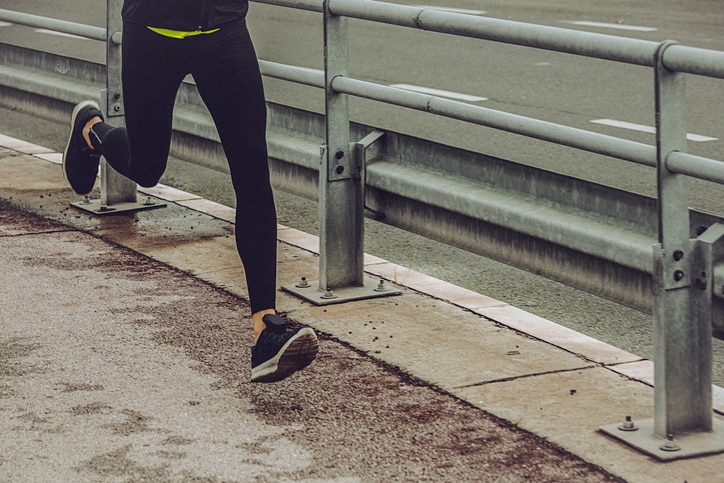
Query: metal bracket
{"x": 676, "y": 266}
{"x": 310, "y": 291}
{"x": 371, "y": 138}
{"x": 114, "y": 101}
{"x": 340, "y": 165}
{"x": 345, "y": 165}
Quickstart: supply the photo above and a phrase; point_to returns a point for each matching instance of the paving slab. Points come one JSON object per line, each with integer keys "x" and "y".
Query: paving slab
{"x": 458, "y": 349}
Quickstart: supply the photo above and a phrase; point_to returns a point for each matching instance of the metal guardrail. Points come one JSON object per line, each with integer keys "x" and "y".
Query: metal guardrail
{"x": 682, "y": 268}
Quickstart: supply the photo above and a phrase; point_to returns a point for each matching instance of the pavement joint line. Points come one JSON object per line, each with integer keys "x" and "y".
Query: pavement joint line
{"x": 526, "y": 376}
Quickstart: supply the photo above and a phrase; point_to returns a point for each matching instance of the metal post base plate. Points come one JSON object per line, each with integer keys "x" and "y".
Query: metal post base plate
{"x": 95, "y": 207}
{"x": 311, "y": 292}
{"x": 687, "y": 445}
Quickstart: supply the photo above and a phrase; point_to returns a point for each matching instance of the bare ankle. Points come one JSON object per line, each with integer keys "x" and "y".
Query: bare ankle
{"x": 87, "y": 128}
{"x": 257, "y": 320}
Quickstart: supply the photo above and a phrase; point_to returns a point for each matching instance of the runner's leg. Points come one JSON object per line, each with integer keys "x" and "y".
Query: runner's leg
{"x": 230, "y": 83}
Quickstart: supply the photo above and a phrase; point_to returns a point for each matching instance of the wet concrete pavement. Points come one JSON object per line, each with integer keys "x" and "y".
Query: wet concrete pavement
{"x": 124, "y": 356}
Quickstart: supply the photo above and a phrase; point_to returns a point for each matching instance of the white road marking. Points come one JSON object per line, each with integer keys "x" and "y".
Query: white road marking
{"x": 440, "y": 93}
{"x": 453, "y": 10}
{"x": 618, "y": 26}
{"x": 5, "y": 24}
{"x": 647, "y": 129}
{"x": 59, "y": 34}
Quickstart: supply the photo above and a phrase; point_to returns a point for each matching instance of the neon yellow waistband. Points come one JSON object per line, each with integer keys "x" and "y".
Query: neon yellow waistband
{"x": 180, "y": 34}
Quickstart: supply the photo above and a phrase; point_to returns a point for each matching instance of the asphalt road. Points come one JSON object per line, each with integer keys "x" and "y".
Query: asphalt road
{"x": 549, "y": 86}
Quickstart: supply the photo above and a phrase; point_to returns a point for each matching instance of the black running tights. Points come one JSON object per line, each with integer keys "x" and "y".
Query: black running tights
{"x": 226, "y": 71}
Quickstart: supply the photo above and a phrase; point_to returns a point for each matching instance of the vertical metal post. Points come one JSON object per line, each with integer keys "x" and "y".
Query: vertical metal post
{"x": 683, "y": 423}
{"x": 682, "y": 341}
{"x": 118, "y": 193}
{"x": 114, "y": 187}
{"x": 341, "y": 190}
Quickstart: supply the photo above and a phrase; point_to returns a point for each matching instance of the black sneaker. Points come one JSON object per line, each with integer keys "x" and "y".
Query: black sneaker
{"x": 80, "y": 163}
{"x": 278, "y": 353}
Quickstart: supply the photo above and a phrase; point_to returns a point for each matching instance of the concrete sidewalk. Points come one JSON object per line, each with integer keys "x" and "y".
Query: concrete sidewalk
{"x": 116, "y": 367}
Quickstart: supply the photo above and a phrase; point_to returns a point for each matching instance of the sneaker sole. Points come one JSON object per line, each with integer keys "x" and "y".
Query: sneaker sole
{"x": 73, "y": 118}
{"x": 296, "y": 354}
